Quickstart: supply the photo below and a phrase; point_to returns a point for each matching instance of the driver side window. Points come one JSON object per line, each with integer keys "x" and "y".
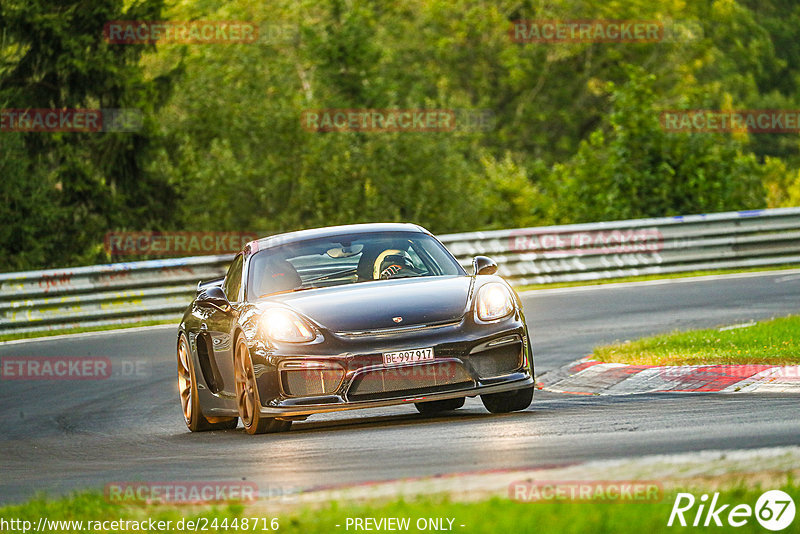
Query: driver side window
{"x": 233, "y": 280}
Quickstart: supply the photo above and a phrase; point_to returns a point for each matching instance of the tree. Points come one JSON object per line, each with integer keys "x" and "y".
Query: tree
{"x": 55, "y": 57}
{"x": 633, "y": 168}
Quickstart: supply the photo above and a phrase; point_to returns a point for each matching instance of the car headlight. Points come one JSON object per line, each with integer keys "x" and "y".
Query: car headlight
{"x": 494, "y": 302}
{"x": 285, "y": 325}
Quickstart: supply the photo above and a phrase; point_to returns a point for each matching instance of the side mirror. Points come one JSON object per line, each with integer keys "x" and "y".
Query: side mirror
{"x": 484, "y": 265}
{"x": 215, "y": 296}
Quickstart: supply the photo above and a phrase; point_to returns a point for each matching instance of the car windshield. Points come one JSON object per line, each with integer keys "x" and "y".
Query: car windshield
{"x": 347, "y": 259}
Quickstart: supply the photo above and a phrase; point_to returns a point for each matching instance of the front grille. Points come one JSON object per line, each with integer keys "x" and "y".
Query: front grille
{"x": 311, "y": 381}
{"x": 497, "y": 361}
{"x": 410, "y": 379}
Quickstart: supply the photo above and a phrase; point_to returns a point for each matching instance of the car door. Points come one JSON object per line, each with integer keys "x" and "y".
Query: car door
{"x": 221, "y": 326}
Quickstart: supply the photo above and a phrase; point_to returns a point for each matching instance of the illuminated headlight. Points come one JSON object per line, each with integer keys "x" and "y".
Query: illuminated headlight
{"x": 494, "y": 302}
{"x": 284, "y": 325}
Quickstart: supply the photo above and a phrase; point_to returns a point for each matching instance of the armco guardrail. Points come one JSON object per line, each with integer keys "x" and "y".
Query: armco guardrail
{"x": 161, "y": 289}
{"x": 103, "y": 294}
{"x": 583, "y": 252}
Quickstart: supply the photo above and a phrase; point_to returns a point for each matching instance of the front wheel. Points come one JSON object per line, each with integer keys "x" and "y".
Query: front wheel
{"x": 508, "y": 401}
{"x": 247, "y": 395}
{"x": 433, "y": 407}
{"x": 190, "y": 403}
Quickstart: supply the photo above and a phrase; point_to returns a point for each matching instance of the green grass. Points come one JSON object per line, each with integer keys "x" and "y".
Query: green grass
{"x": 773, "y": 342}
{"x": 485, "y": 516}
{"x": 645, "y": 278}
{"x": 48, "y": 333}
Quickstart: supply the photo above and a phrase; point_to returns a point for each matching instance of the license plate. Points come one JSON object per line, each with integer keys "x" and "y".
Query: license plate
{"x": 407, "y": 356}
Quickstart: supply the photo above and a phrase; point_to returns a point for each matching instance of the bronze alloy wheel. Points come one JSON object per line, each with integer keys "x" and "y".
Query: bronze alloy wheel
{"x": 187, "y": 388}
{"x": 247, "y": 395}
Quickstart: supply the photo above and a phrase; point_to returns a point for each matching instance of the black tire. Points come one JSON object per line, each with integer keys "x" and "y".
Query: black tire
{"x": 190, "y": 399}
{"x": 247, "y": 395}
{"x": 508, "y": 401}
{"x": 433, "y": 407}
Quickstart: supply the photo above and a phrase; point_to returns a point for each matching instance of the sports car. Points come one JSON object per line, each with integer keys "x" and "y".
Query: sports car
{"x": 345, "y": 317}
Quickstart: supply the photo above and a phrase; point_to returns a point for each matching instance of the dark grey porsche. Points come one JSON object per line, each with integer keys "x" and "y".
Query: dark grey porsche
{"x": 346, "y": 317}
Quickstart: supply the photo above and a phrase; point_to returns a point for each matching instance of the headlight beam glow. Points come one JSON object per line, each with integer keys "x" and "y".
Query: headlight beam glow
{"x": 494, "y": 302}
{"x": 284, "y": 325}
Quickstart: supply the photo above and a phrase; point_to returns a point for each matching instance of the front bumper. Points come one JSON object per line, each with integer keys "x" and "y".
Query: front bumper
{"x": 303, "y": 410}
{"x": 347, "y": 372}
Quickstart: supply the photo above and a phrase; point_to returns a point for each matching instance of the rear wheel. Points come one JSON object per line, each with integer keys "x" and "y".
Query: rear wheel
{"x": 247, "y": 395}
{"x": 190, "y": 403}
{"x": 508, "y": 401}
{"x": 446, "y": 405}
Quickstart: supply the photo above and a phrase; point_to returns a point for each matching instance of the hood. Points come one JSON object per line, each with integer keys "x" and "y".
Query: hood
{"x": 373, "y": 305}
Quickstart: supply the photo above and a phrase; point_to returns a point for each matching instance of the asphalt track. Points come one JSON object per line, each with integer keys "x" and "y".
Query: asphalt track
{"x": 57, "y": 436}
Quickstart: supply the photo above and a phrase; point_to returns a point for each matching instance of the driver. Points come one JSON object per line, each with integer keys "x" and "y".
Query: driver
{"x": 393, "y": 263}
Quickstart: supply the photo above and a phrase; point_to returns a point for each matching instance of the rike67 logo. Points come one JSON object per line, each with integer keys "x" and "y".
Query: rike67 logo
{"x": 774, "y": 510}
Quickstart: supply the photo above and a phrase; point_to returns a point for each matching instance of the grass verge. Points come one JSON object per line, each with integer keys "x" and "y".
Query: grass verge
{"x": 484, "y": 516}
{"x": 773, "y": 342}
{"x": 648, "y": 277}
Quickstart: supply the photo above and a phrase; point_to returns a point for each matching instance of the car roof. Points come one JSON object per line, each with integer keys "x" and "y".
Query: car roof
{"x": 330, "y": 232}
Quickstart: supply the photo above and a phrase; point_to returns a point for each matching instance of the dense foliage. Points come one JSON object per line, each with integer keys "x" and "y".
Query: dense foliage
{"x": 575, "y": 135}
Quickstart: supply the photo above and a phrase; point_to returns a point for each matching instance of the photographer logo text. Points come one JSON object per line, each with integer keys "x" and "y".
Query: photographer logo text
{"x": 774, "y": 510}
